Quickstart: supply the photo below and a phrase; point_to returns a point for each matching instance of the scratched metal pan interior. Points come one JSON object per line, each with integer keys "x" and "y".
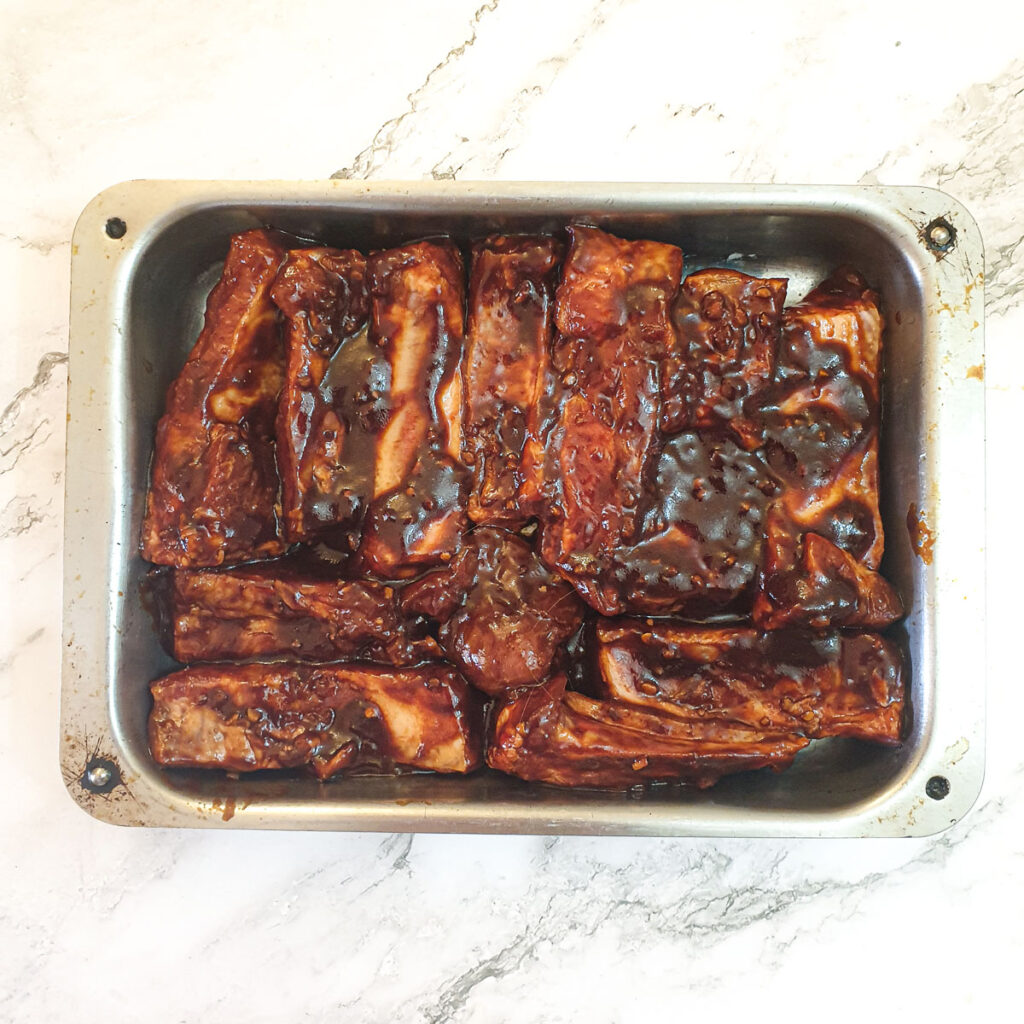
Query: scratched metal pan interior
{"x": 145, "y": 255}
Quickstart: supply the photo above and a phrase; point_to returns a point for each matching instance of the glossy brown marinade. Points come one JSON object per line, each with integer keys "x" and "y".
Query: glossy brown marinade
{"x": 824, "y": 536}
{"x": 323, "y": 436}
{"x": 700, "y": 545}
{"x": 702, "y": 535}
{"x": 291, "y": 609}
{"x": 418, "y": 500}
{"x": 550, "y": 734}
{"x": 214, "y": 481}
{"x": 814, "y": 684}
{"x": 601, "y": 449}
{"x": 727, "y": 324}
{"x": 507, "y": 351}
{"x": 639, "y": 521}
{"x": 329, "y": 717}
{"x": 808, "y": 581}
{"x": 504, "y": 617}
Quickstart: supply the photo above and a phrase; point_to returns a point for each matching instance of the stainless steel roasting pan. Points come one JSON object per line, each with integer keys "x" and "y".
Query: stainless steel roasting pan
{"x": 146, "y": 253}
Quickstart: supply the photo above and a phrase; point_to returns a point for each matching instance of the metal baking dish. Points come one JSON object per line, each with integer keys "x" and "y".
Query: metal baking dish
{"x": 146, "y": 253}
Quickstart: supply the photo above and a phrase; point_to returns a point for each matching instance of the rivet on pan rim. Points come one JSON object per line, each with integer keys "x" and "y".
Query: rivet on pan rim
{"x": 937, "y": 787}
{"x": 115, "y": 227}
{"x": 939, "y": 235}
{"x": 101, "y": 775}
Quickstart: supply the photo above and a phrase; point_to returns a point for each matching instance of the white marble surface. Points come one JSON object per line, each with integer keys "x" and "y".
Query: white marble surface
{"x": 104, "y": 923}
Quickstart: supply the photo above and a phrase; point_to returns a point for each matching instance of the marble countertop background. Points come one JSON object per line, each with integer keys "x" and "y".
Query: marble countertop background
{"x": 99, "y": 923}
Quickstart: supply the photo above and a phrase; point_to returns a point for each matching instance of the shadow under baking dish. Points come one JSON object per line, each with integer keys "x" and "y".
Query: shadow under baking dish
{"x": 148, "y": 292}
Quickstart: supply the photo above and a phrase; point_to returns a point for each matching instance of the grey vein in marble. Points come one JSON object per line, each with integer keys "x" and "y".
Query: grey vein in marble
{"x": 44, "y": 248}
{"x": 429, "y": 138}
{"x": 486, "y": 152}
{"x": 25, "y": 415}
{"x": 371, "y": 159}
{"x": 19, "y": 515}
{"x": 711, "y": 910}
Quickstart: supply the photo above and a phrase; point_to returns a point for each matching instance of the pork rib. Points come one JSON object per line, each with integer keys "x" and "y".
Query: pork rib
{"x": 824, "y": 539}
{"x": 322, "y": 424}
{"x": 548, "y": 734}
{"x": 214, "y": 482}
{"x": 285, "y": 608}
{"x": 418, "y": 506}
{"x": 504, "y": 617}
{"x": 601, "y": 447}
{"x": 330, "y": 717}
{"x": 507, "y": 351}
{"x": 814, "y": 684}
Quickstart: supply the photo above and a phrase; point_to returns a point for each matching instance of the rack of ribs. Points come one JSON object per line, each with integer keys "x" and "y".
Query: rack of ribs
{"x": 330, "y": 717}
{"x": 214, "y": 483}
{"x": 690, "y": 450}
